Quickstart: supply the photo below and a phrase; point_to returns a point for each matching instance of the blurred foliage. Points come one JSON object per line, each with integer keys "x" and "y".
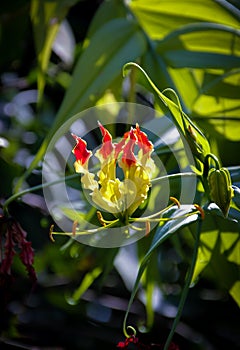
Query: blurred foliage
{"x": 61, "y": 57}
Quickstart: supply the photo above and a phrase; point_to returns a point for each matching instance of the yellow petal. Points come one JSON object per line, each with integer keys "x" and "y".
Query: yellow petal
{"x": 88, "y": 181}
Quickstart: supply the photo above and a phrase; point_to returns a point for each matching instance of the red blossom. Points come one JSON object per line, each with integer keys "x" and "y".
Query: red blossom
{"x": 27, "y": 257}
{"x": 9, "y": 253}
{"x": 119, "y": 147}
{"x": 121, "y": 345}
{"x": 128, "y": 157}
{"x": 124, "y": 345}
{"x": 16, "y": 236}
{"x": 107, "y": 146}
{"x": 80, "y": 150}
{"x": 143, "y": 141}
{"x": 26, "y": 254}
{"x": 129, "y": 140}
{"x": 141, "y": 346}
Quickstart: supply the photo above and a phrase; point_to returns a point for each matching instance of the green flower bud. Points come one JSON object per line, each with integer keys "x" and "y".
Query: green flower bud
{"x": 220, "y": 186}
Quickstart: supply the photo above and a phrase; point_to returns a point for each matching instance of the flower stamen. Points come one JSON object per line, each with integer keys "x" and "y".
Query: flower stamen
{"x": 201, "y": 211}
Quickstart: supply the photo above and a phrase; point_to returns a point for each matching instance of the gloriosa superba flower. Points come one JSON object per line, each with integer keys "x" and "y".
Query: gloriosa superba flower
{"x": 109, "y": 193}
{"x": 122, "y": 196}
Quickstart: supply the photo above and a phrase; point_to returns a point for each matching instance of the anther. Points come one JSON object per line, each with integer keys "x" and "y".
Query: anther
{"x": 176, "y": 201}
{"x": 201, "y": 211}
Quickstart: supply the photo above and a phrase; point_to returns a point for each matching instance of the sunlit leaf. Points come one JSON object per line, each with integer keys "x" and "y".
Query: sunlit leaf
{"x": 100, "y": 64}
{"x": 187, "y": 84}
{"x": 88, "y": 279}
{"x": 162, "y": 233}
{"x": 207, "y": 244}
{"x": 221, "y": 85}
{"x": 204, "y": 36}
{"x": 234, "y": 291}
{"x": 218, "y": 103}
{"x": 158, "y": 18}
{"x": 114, "y": 44}
{"x": 166, "y": 230}
{"x": 220, "y": 266}
{"x": 218, "y": 248}
{"x": 46, "y": 18}
{"x": 207, "y": 46}
{"x": 202, "y": 46}
{"x": 108, "y": 11}
{"x": 156, "y": 68}
{"x": 196, "y": 139}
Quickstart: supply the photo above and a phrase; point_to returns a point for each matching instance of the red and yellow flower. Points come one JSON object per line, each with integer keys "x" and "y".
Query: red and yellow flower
{"x": 133, "y": 155}
{"x": 122, "y": 183}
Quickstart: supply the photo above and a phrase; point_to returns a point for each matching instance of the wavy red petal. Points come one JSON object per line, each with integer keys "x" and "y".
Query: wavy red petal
{"x": 142, "y": 140}
{"x": 128, "y": 157}
{"x": 80, "y": 150}
{"x": 107, "y": 146}
{"x": 119, "y": 147}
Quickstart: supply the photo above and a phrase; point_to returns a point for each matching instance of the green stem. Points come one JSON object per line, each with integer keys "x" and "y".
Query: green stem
{"x": 206, "y": 163}
{"x": 130, "y": 65}
{"x": 131, "y": 106}
{"x": 185, "y": 288}
{"x": 144, "y": 219}
{"x": 70, "y": 177}
{"x": 172, "y": 176}
{"x": 178, "y": 104}
{"x": 132, "y": 91}
{"x": 35, "y": 188}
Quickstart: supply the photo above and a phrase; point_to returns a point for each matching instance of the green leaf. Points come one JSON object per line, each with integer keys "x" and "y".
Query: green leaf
{"x": 205, "y": 46}
{"x": 112, "y": 45}
{"x": 204, "y": 60}
{"x": 157, "y": 69}
{"x": 158, "y": 18}
{"x": 218, "y": 252}
{"x": 202, "y": 46}
{"x": 207, "y": 244}
{"x": 218, "y": 104}
{"x": 234, "y": 291}
{"x": 107, "y": 11}
{"x": 186, "y": 83}
{"x": 162, "y": 233}
{"x": 117, "y": 42}
{"x": 221, "y": 85}
{"x": 230, "y": 246}
{"x": 149, "y": 291}
{"x": 46, "y": 18}
{"x": 205, "y": 37}
{"x": 170, "y": 227}
{"x": 220, "y": 266}
{"x": 196, "y": 139}
{"x": 88, "y": 279}
{"x": 182, "y": 80}
{"x": 193, "y": 41}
